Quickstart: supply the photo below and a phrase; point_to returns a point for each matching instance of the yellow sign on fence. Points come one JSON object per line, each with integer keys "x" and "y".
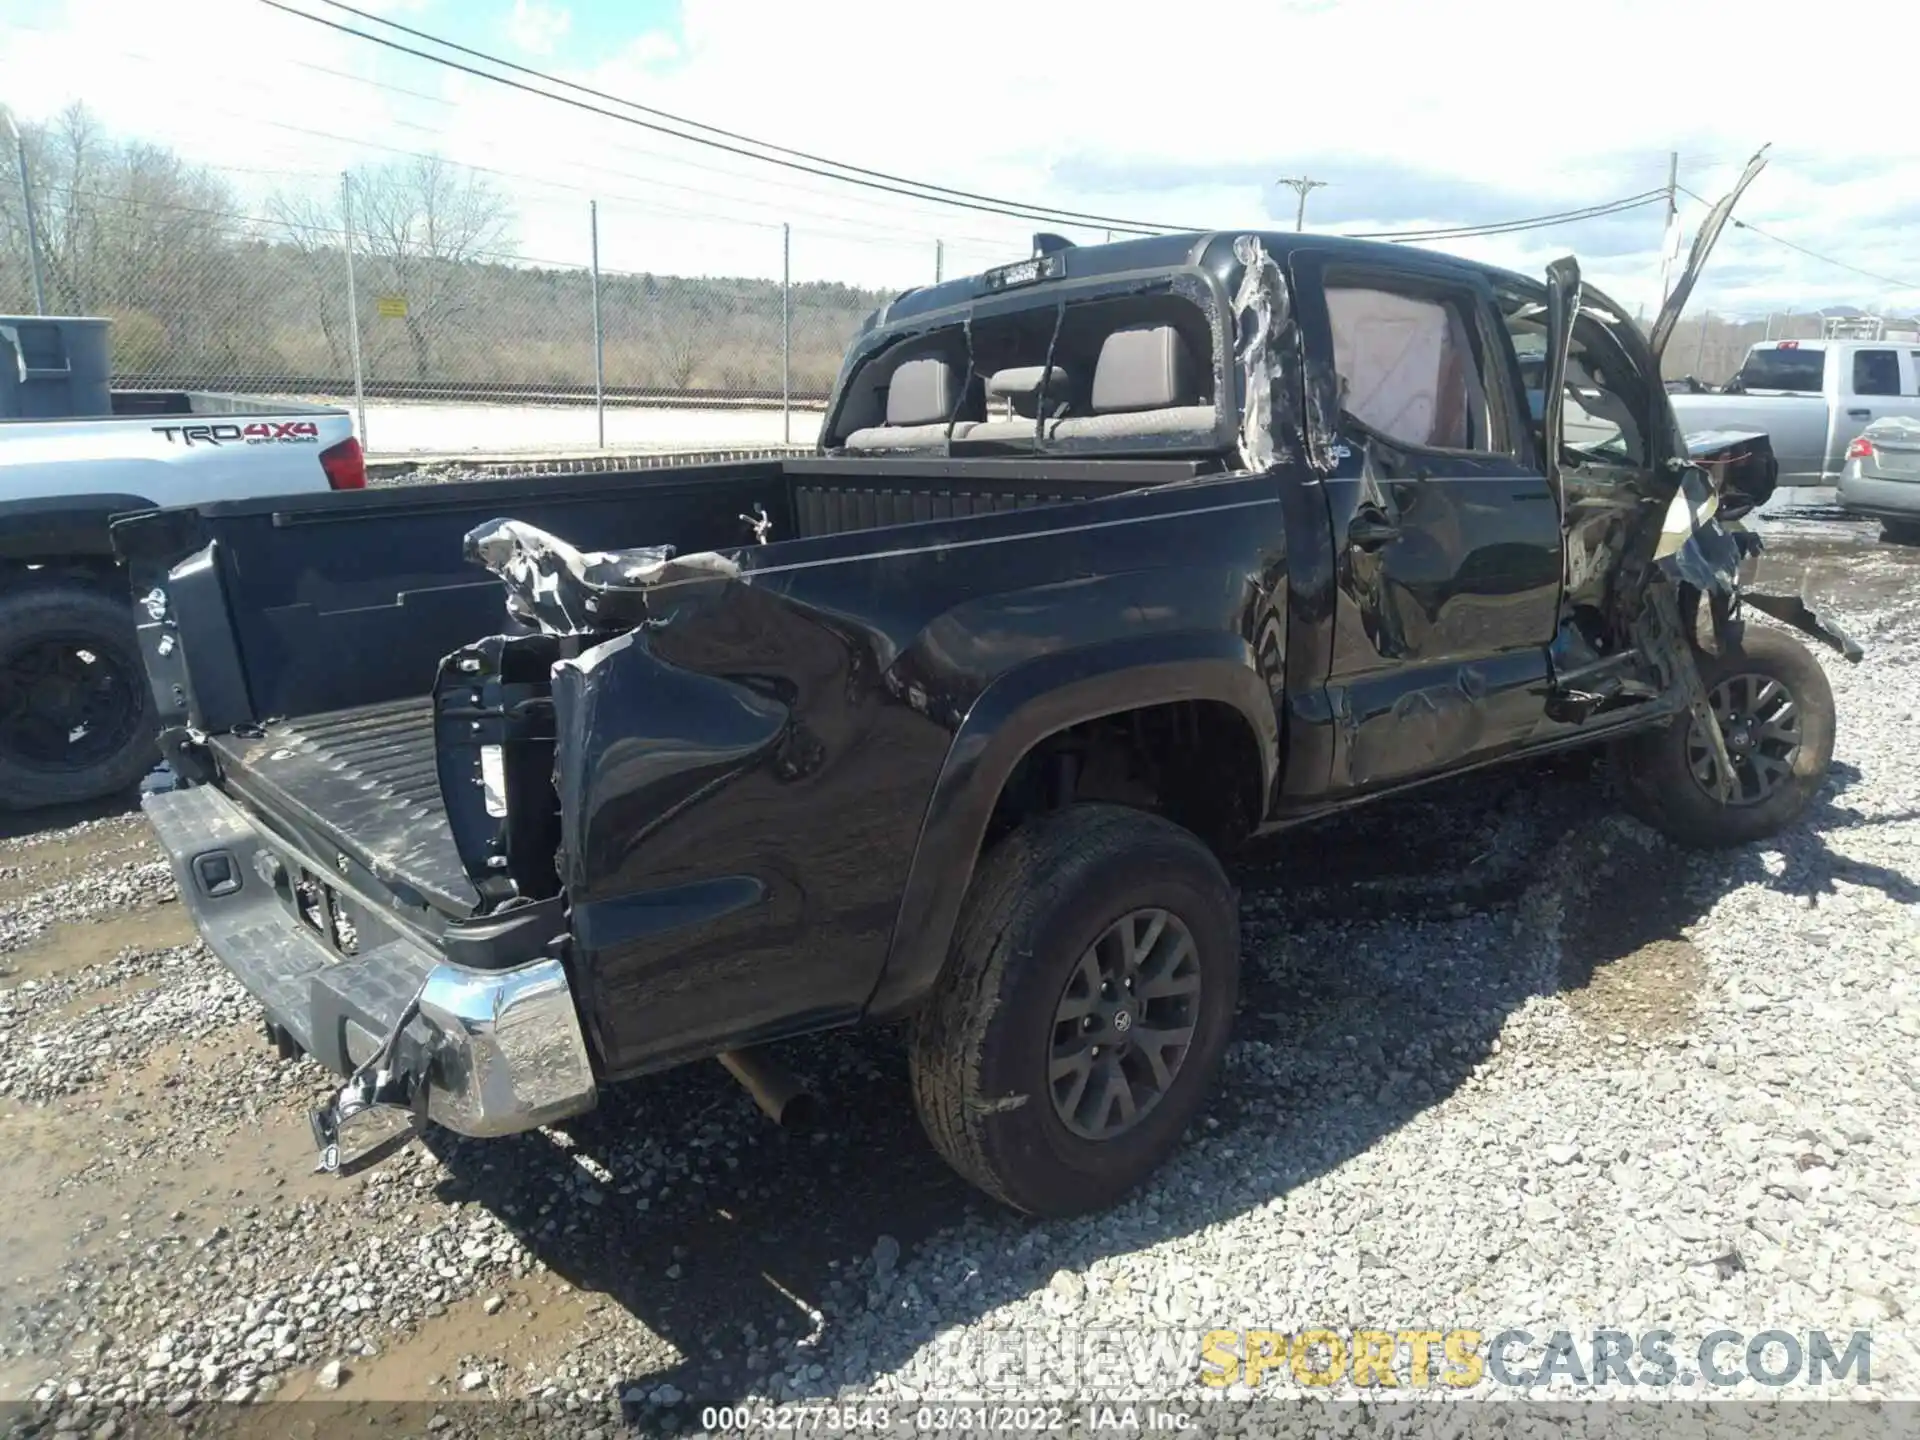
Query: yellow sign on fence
{"x": 391, "y": 307}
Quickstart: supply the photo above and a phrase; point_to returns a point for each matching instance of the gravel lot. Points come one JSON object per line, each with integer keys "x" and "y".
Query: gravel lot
{"x": 1504, "y": 1059}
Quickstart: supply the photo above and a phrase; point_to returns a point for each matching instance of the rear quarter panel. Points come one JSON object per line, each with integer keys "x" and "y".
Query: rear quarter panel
{"x": 744, "y": 786}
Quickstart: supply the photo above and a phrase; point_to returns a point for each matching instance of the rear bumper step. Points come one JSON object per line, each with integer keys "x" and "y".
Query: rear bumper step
{"x": 482, "y": 1052}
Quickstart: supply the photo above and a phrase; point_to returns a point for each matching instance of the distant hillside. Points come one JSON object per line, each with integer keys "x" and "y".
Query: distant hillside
{"x": 198, "y": 286}
{"x": 257, "y": 310}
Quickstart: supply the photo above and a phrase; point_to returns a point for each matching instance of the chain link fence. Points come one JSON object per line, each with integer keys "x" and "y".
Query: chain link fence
{"x": 402, "y": 288}
{"x": 1710, "y": 347}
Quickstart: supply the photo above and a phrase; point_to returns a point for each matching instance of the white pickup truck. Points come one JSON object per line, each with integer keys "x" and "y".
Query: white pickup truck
{"x": 1811, "y": 397}
{"x": 76, "y": 715}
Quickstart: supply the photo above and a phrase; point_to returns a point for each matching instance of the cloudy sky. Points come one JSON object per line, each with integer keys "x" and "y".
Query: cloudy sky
{"x": 1415, "y": 114}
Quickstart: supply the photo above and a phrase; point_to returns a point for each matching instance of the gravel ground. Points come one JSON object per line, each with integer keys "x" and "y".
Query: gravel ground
{"x": 1505, "y": 1059}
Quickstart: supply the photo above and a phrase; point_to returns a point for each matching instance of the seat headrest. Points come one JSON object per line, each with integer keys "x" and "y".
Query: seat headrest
{"x": 921, "y": 393}
{"x": 1020, "y": 387}
{"x": 1024, "y": 380}
{"x": 1144, "y": 367}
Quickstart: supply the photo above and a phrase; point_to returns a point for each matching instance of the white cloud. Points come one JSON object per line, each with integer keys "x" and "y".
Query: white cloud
{"x": 536, "y": 28}
{"x": 1081, "y": 104}
{"x": 653, "y": 48}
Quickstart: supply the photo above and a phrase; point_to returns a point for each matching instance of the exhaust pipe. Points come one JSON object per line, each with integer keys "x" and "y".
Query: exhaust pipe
{"x": 774, "y": 1088}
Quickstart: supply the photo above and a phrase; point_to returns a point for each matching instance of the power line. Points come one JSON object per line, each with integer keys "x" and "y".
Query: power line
{"x": 1013, "y": 209}
{"x": 1811, "y": 254}
{"x": 894, "y": 217}
{"x": 1050, "y": 215}
{"x": 877, "y": 179}
{"x": 1514, "y": 227}
{"x": 1054, "y": 211}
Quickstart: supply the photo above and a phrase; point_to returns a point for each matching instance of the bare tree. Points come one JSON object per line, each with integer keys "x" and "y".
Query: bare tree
{"x": 310, "y": 229}
{"x": 201, "y": 293}
{"x": 426, "y": 226}
{"x": 682, "y": 329}
{"x": 134, "y": 232}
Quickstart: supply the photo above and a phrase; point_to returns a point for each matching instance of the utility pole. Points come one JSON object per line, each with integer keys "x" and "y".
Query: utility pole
{"x": 939, "y": 261}
{"x": 599, "y": 335}
{"x": 786, "y": 332}
{"x": 1300, "y": 185}
{"x": 353, "y": 303}
{"x": 33, "y": 234}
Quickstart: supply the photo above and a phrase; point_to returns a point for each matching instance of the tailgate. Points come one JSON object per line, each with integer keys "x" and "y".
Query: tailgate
{"x": 362, "y": 787}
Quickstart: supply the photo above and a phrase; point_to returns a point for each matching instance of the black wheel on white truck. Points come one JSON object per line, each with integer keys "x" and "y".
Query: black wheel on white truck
{"x": 77, "y": 718}
{"x": 1085, "y": 1009}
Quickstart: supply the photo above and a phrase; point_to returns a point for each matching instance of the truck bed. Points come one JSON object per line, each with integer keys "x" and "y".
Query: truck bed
{"x": 311, "y": 628}
{"x": 364, "y": 778}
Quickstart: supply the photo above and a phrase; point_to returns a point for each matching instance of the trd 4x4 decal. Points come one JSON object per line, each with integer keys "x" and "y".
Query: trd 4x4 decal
{"x": 258, "y": 432}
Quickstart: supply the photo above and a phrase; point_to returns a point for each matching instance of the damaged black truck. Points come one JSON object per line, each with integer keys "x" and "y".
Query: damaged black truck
{"x": 495, "y": 795}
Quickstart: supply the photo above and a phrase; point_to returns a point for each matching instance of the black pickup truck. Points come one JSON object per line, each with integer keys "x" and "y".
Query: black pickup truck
{"x": 497, "y": 794}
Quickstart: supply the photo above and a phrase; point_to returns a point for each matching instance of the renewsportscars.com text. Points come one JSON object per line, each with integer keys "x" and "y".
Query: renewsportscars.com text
{"x": 1521, "y": 1359}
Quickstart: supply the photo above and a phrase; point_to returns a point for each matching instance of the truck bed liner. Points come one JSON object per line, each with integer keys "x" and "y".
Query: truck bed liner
{"x": 367, "y": 779}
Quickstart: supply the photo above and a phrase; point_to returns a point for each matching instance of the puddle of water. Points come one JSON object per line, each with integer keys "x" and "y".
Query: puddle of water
{"x": 56, "y": 1208}
{"x": 537, "y": 1326}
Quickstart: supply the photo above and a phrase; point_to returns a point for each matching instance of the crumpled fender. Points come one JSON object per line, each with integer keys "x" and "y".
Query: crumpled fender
{"x": 564, "y": 591}
{"x": 1697, "y": 549}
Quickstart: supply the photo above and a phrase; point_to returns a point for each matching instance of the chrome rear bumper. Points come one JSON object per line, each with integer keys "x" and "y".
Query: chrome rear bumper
{"x": 482, "y": 1052}
{"x": 509, "y": 1053}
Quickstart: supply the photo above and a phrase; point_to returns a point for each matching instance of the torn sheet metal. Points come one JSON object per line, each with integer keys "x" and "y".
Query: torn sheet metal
{"x": 1696, "y": 548}
{"x": 565, "y": 591}
{"x": 1260, "y": 311}
{"x": 1703, "y": 243}
{"x": 1795, "y": 611}
{"x": 1664, "y": 639}
{"x": 381, "y": 1107}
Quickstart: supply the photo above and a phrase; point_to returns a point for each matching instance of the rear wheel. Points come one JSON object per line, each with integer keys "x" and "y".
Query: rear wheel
{"x": 76, "y": 716}
{"x": 1900, "y": 532}
{"x": 1085, "y": 1011}
{"x": 1775, "y": 711}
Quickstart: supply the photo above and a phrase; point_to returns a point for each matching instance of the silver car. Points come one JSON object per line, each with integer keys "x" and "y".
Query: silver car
{"x": 1881, "y": 478}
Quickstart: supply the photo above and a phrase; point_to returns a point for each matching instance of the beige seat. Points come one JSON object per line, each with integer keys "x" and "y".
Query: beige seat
{"x": 1145, "y": 385}
{"x": 921, "y": 396}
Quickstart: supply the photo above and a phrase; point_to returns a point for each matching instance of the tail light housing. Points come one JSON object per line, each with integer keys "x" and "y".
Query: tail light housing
{"x": 1860, "y": 449}
{"x": 345, "y": 464}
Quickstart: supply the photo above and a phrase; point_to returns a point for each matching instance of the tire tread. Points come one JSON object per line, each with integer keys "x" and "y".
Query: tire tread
{"x": 73, "y": 604}
{"x": 1019, "y": 880}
